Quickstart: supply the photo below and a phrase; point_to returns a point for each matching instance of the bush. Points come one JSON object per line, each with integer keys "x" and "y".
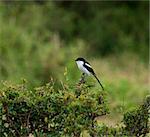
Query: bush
{"x": 47, "y": 111}
{"x": 64, "y": 112}
{"x": 136, "y": 121}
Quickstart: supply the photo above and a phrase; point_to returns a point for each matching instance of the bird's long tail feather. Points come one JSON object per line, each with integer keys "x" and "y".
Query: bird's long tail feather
{"x": 99, "y": 81}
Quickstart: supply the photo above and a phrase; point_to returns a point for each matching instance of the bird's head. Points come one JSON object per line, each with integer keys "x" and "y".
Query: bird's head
{"x": 80, "y": 59}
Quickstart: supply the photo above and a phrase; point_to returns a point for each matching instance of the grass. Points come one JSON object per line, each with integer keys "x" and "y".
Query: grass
{"x": 126, "y": 83}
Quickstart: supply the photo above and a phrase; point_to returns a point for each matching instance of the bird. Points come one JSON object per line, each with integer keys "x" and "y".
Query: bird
{"x": 86, "y": 68}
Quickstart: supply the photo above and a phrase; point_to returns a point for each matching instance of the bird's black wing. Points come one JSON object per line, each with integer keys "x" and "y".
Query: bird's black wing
{"x": 88, "y": 67}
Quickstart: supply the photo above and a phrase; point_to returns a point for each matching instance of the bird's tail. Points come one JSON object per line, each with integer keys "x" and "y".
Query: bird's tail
{"x": 99, "y": 81}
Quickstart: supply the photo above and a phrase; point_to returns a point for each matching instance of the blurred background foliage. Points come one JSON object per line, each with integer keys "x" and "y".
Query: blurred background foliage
{"x": 41, "y": 39}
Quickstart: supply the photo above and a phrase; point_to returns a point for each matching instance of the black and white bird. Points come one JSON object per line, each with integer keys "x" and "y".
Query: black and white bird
{"x": 86, "y": 68}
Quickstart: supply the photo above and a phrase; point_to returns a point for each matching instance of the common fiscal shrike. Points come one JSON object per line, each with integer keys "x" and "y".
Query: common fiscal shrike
{"x": 86, "y": 68}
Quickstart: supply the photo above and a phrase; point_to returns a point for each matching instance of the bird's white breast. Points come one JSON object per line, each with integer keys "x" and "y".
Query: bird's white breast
{"x": 82, "y": 68}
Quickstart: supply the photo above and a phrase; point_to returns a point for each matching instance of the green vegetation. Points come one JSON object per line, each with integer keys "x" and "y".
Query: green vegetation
{"x": 40, "y": 40}
{"x": 65, "y": 112}
{"x": 46, "y": 110}
{"x": 136, "y": 121}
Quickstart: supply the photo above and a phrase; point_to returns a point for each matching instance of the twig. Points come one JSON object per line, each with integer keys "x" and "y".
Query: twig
{"x": 28, "y": 121}
{"x": 11, "y": 122}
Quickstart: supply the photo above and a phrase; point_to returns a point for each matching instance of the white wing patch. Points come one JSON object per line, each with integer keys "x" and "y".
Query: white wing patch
{"x": 88, "y": 65}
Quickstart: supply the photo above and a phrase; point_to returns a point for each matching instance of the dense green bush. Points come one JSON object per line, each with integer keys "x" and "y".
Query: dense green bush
{"x": 136, "y": 121}
{"x": 45, "y": 110}
{"x": 65, "y": 112}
